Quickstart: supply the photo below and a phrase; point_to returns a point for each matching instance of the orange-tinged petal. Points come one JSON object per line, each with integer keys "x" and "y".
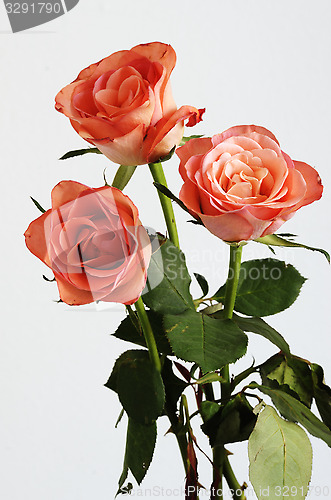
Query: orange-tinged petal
{"x": 126, "y": 149}
{"x": 194, "y": 147}
{"x": 63, "y": 101}
{"x": 35, "y": 237}
{"x": 66, "y": 191}
{"x": 243, "y": 130}
{"x": 158, "y": 52}
{"x": 189, "y": 195}
{"x": 228, "y": 227}
{"x": 72, "y": 295}
{"x": 313, "y": 182}
{"x": 153, "y": 147}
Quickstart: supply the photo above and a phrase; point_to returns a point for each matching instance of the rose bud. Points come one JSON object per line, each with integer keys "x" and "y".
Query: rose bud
{"x": 94, "y": 242}
{"x": 123, "y": 105}
{"x": 241, "y": 185}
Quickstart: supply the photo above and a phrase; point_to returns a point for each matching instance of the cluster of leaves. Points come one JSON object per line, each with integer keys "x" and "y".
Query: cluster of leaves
{"x": 201, "y": 335}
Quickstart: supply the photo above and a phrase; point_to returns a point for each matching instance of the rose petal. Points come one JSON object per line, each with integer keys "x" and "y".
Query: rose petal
{"x": 313, "y": 182}
{"x": 228, "y": 227}
{"x": 156, "y": 143}
{"x": 127, "y": 149}
{"x": 66, "y": 191}
{"x": 189, "y": 195}
{"x": 72, "y": 295}
{"x": 194, "y": 147}
{"x": 35, "y": 238}
{"x": 243, "y": 130}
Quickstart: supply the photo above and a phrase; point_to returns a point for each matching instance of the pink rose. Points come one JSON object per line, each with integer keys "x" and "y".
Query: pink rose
{"x": 241, "y": 185}
{"x": 94, "y": 243}
{"x": 124, "y": 105}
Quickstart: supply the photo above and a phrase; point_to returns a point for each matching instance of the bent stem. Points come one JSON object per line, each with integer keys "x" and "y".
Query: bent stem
{"x": 122, "y": 176}
{"x": 168, "y": 212}
{"x": 148, "y": 334}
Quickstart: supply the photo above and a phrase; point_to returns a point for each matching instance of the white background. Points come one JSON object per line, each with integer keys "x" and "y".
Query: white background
{"x": 246, "y": 61}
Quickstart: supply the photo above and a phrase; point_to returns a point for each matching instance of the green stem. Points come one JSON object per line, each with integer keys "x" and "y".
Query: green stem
{"x": 229, "y": 301}
{"x": 241, "y": 376}
{"x": 122, "y": 176}
{"x": 209, "y": 392}
{"x": 221, "y": 463}
{"x": 235, "y": 487}
{"x": 176, "y": 426}
{"x": 233, "y": 280}
{"x": 148, "y": 334}
{"x": 218, "y": 459}
{"x": 158, "y": 176}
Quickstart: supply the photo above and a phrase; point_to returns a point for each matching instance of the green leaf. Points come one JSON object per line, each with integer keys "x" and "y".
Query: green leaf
{"x": 295, "y": 411}
{"x": 259, "y": 326}
{"x": 166, "y": 191}
{"x": 138, "y": 385}
{"x": 280, "y": 457}
{"x": 208, "y": 409}
{"x": 209, "y": 378}
{"x": 282, "y": 372}
{"x": 203, "y": 283}
{"x": 277, "y": 241}
{"x": 130, "y": 331}
{"x": 232, "y": 423}
{"x": 124, "y": 489}
{"x": 186, "y": 139}
{"x": 140, "y": 444}
{"x": 167, "y": 270}
{"x": 80, "y": 152}
{"x": 211, "y": 343}
{"x": 40, "y": 208}
{"x": 123, "y": 176}
{"x": 266, "y": 286}
{"x": 322, "y": 394}
{"x": 112, "y": 382}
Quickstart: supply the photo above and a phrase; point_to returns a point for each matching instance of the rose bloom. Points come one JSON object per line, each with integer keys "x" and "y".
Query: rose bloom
{"x": 94, "y": 243}
{"x": 241, "y": 185}
{"x": 123, "y": 105}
